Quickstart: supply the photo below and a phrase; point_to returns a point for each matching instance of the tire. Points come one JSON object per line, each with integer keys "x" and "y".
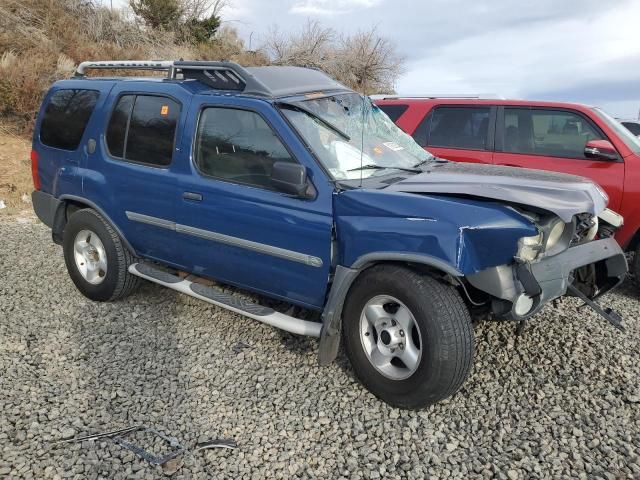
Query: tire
{"x": 442, "y": 333}
{"x": 108, "y": 278}
{"x": 636, "y": 264}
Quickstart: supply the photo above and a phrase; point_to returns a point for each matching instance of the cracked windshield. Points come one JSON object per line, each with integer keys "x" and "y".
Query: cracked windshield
{"x": 353, "y": 138}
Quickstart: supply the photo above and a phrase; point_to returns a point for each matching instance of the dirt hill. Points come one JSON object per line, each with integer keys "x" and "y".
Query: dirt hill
{"x": 15, "y": 173}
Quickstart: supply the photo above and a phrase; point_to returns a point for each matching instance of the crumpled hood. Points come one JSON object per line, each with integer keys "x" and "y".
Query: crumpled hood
{"x": 559, "y": 193}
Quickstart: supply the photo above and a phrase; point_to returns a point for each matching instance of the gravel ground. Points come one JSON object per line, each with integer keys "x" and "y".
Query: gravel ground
{"x": 563, "y": 401}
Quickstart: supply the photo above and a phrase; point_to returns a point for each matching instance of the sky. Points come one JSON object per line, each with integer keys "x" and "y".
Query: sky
{"x": 585, "y": 51}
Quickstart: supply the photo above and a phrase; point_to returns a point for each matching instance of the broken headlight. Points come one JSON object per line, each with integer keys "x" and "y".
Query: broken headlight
{"x": 530, "y": 247}
{"x": 555, "y": 234}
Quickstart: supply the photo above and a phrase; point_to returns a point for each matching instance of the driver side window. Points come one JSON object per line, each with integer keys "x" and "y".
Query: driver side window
{"x": 238, "y": 146}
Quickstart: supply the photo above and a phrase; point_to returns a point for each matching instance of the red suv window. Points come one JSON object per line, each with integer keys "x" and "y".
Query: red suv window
{"x": 455, "y": 127}
{"x": 552, "y": 133}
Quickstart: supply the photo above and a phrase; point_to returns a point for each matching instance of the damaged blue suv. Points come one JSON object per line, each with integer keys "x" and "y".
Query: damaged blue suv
{"x": 281, "y": 182}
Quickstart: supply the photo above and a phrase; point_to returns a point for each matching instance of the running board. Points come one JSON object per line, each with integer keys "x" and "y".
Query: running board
{"x": 221, "y": 299}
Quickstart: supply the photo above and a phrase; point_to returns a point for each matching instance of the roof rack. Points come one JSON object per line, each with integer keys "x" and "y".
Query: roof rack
{"x": 476, "y": 96}
{"x": 218, "y": 75}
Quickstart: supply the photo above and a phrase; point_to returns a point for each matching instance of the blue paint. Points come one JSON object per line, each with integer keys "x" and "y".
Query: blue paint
{"x": 469, "y": 235}
{"x": 466, "y": 234}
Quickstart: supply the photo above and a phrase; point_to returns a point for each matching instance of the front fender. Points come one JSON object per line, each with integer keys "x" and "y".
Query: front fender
{"x": 454, "y": 236}
{"x": 465, "y": 235}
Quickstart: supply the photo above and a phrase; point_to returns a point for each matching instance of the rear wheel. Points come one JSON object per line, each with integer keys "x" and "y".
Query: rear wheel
{"x": 409, "y": 337}
{"x": 636, "y": 264}
{"x": 96, "y": 259}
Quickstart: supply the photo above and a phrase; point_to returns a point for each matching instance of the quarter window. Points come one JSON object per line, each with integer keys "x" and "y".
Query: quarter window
{"x": 547, "y": 132}
{"x": 66, "y": 117}
{"x": 142, "y": 129}
{"x": 394, "y": 112}
{"x": 633, "y": 127}
{"x": 238, "y": 146}
{"x": 455, "y": 127}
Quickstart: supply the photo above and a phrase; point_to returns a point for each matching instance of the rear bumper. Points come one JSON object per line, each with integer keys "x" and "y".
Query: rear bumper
{"x": 45, "y": 206}
{"x": 549, "y": 278}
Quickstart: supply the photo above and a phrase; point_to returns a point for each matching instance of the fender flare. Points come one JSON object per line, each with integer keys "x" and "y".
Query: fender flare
{"x": 343, "y": 279}
{"x": 60, "y": 219}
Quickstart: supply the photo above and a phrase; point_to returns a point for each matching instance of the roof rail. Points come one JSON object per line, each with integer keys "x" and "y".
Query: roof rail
{"x": 218, "y": 75}
{"x": 477, "y": 96}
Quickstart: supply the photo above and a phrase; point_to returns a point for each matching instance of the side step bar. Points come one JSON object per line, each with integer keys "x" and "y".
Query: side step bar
{"x": 221, "y": 299}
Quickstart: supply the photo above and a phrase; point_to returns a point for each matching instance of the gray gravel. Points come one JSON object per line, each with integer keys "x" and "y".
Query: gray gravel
{"x": 563, "y": 401}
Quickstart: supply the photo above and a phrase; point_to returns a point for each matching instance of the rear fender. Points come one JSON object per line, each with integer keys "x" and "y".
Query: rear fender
{"x": 64, "y": 211}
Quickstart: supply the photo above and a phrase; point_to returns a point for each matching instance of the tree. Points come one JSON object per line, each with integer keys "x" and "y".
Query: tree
{"x": 202, "y": 9}
{"x": 365, "y": 61}
{"x": 158, "y": 14}
{"x": 201, "y": 31}
{"x": 310, "y": 47}
{"x": 368, "y": 62}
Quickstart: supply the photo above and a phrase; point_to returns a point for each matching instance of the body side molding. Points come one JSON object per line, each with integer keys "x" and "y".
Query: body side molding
{"x": 278, "y": 252}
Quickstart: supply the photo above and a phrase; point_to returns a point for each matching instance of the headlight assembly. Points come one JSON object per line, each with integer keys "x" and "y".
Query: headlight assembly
{"x": 529, "y": 248}
{"x": 555, "y": 235}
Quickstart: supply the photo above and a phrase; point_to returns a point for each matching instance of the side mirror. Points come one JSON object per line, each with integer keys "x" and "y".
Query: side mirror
{"x": 600, "y": 150}
{"x": 290, "y": 178}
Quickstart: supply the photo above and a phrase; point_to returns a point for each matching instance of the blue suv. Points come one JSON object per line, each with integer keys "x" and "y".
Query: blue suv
{"x": 284, "y": 183}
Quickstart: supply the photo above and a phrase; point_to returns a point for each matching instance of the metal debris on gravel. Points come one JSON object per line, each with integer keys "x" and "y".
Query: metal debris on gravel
{"x": 563, "y": 404}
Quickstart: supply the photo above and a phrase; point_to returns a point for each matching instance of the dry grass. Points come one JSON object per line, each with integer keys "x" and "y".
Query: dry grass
{"x": 15, "y": 171}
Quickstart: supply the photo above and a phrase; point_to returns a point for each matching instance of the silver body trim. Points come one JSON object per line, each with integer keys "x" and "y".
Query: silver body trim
{"x": 263, "y": 248}
{"x": 149, "y": 220}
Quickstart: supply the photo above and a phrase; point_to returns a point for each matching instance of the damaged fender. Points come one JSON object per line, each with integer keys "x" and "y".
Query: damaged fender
{"x": 480, "y": 235}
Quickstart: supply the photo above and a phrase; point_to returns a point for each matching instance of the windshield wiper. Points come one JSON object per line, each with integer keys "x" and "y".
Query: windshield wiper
{"x": 431, "y": 160}
{"x": 327, "y": 124}
{"x": 373, "y": 166}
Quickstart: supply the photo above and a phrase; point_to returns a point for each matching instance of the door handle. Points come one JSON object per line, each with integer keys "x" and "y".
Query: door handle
{"x": 194, "y": 197}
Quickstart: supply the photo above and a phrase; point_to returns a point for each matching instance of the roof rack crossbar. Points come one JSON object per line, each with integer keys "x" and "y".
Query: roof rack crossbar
{"x": 219, "y": 75}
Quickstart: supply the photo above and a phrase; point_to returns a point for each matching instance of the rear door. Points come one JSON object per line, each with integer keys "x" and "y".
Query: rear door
{"x": 131, "y": 175}
{"x": 461, "y": 133}
{"x": 554, "y": 139}
{"x": 237, "y": 228}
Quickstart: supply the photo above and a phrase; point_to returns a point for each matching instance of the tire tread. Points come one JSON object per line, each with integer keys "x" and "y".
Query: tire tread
{"x": 454, "y": 321}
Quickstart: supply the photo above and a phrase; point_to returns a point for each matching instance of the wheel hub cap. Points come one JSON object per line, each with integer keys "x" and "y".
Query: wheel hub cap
{"x": 390, "y": 337}
{"x": 90, "y": 257}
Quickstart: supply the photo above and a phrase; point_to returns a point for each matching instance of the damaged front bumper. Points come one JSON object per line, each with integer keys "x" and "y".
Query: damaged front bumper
{"x": 522, "y": 289}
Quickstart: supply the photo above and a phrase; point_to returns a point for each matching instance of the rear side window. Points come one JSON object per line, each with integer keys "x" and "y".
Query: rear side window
{"x": 142, "y": 129}
{"x": 553, "y": 133}
{"x": 66, "y": 117}
{"x": 394, "y": 112}
{"x": 455, "y": 127}
{"x": 238, "y": 146}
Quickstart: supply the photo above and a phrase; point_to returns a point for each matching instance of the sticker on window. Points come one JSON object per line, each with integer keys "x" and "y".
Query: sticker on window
{"x": 164, "y": 110}
{"x": 393, "y": 146}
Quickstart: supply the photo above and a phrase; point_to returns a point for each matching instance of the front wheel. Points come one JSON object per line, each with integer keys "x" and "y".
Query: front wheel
{"x": 408, "y": 336}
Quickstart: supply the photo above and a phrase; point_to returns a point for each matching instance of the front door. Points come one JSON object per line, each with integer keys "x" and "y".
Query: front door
{"x": 552, "y": 139}
{"x": 237, "y": 228}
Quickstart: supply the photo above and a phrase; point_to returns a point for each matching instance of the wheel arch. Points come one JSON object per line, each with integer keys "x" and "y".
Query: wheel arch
{"x": 345, "y": 277}
{"x": 69, "y": 205}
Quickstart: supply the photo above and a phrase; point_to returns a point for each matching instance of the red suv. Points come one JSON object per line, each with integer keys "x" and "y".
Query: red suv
{"x": 562, "y": 137}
